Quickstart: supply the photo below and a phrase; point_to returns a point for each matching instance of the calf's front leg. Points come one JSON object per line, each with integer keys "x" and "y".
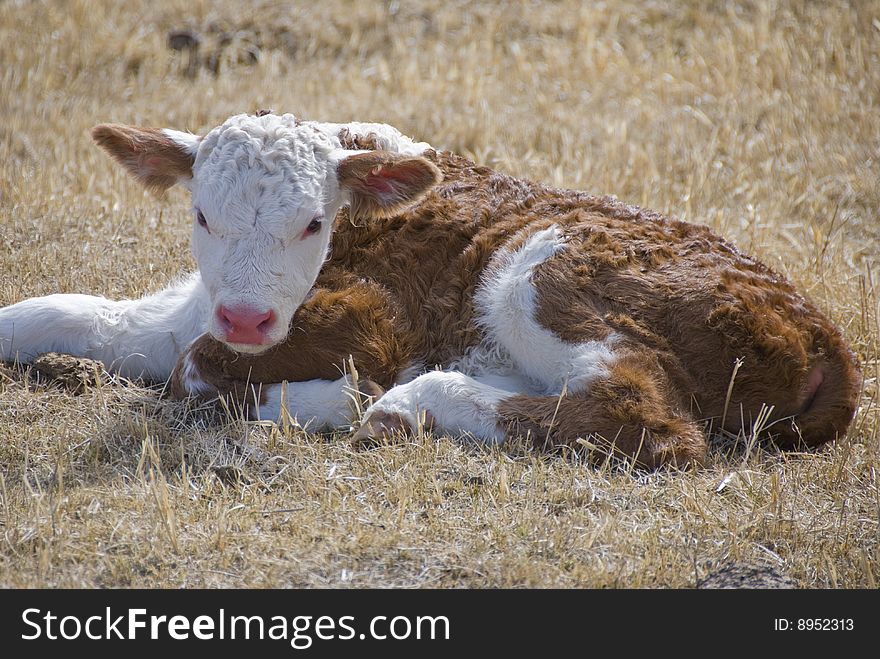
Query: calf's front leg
{"x": 209, "y": 370}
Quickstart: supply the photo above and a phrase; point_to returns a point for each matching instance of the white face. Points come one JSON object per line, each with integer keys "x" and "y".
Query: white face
{"x": 264, "y": 194}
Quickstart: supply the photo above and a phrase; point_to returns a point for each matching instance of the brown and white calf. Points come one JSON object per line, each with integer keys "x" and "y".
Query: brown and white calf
{"x": 550, "y": 313}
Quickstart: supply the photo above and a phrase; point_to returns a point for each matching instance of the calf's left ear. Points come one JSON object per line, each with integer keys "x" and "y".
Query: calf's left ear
{"x": 382, "y": 183}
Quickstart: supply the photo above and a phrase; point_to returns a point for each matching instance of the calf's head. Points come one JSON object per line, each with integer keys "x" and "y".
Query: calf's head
{"x": 265, "y": 192}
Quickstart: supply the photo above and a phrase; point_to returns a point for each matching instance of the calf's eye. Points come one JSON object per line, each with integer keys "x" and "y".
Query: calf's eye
{"x": 200, "y": 218}
{"x": 312, "y": 227}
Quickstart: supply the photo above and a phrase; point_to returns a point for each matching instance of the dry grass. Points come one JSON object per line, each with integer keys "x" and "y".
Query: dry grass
{"x": 760, "y": 119}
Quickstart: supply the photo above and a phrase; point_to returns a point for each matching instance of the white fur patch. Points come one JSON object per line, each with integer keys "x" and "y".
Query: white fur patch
{"x": 507, "y": 311}
{"x": 388, "y": 138}
{"x": 145, "y": 337}
{"x": 314, "y": 404}
{"x": 458, "y": 404}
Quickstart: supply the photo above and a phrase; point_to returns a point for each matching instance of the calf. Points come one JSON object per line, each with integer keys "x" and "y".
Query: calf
{"x": 486, "y": 305}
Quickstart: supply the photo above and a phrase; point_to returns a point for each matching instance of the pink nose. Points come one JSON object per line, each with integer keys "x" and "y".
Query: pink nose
{"x": 244, "y": 325}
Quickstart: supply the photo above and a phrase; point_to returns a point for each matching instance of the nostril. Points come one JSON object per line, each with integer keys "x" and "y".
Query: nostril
{"x": 223, "y": 316}
{"x": 267, "y": 323}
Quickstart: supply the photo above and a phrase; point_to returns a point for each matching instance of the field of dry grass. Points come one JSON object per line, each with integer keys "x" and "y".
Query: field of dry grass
{"x": 760, "y": 119}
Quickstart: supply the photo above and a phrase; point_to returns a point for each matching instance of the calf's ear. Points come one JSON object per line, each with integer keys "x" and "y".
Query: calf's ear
{"x": 382, "y": 183}
{"x": 156, "y": 158}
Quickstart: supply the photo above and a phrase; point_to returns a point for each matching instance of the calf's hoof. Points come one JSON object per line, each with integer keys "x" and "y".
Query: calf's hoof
{"x": 379, "y": 427}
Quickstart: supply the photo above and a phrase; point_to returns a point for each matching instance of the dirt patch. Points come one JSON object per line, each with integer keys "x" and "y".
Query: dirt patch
{"x": 738, "y": 575}
{"x": 71, "y": 373}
